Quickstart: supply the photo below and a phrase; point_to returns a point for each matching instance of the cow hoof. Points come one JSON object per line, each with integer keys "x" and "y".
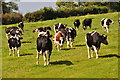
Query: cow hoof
{"x": 92, "y": 56}
{"x": 89, "y": 58}
{"x": 97, "y": 58}
{"x": 36, "y": 56}
{"x": 37, "y": 62}
{"x": 10, "y": 54}
{"x": 45, "y": 64}
{"x": 48, "y": 64}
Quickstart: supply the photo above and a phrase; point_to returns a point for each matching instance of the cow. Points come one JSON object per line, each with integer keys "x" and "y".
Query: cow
{"x": 14, "y": 44}
{"x": 59, "y": 39}
{"x": 44, "y": 47}
{"x": 87, "y": 22}
{"x": 71, "y": 34}
{"x": 93, "y": 42}
{"x": 12, "y": 31}
{"x": 42, "y": 30}
{"x": 106, "y": 23}
{"x": 76, "y": 23}
{"x": 21, "y": 26}
{"x": 58, "y": 27}
{"x": 119, "y": 21}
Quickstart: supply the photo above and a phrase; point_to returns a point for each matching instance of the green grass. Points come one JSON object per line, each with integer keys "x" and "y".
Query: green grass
{"x": 69, "y": 62}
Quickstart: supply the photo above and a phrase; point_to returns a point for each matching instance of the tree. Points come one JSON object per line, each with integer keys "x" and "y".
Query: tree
{"x": 9, "y": 7}
{"x": 66, "y": 4}
{"x": 115, "y": 6}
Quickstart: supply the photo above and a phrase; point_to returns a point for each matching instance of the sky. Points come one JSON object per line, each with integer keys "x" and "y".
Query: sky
{"x": 26, "y": 6}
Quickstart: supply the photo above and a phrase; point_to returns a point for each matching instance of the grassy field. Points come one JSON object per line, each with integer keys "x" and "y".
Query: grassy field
{"x": 69, "y": 62}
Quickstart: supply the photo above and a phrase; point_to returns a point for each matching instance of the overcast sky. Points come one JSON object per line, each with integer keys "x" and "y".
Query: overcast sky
{"x": 26, "y": 6}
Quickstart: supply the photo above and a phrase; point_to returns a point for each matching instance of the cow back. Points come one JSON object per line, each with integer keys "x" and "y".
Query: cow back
{"x": 44, "y": 43}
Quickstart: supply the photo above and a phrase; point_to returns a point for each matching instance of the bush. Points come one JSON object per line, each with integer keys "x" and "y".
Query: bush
{"x": 48, "y": 13}
{"x": 42, "y": 14}
{"x": 11, "y": 18}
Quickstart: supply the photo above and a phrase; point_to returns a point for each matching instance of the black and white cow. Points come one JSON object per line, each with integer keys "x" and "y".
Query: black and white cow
{"x": 93, "y": 42}
{"x": 44, "y": 47}
{"x": 58, "y": 27}
{"x": 42, "y": 30}
{"x": 119, "y": 21}
{"x": 71, "y": 34}
{"x": 106, "y": 23}
{"x": 14, "y": 44}
{"x": 21, "y": 25}
{"x": 76, "y": 23}
{"x": 12, "y": 31}
{"x": 86, "y": 22}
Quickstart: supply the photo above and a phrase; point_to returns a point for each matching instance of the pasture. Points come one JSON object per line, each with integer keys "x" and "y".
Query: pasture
{"x": 68, "y": 62}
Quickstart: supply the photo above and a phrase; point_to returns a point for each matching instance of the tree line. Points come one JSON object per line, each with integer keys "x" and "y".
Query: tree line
{"x": 64, "y": 9}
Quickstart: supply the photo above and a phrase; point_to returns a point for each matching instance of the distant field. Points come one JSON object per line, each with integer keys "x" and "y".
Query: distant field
{"x": 69, "y": 62}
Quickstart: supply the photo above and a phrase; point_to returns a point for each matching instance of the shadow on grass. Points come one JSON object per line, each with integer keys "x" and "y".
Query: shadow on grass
{"x": 94, "y": 28}
{"x": 67, "y": 48}
{"x": 80, "y": 45}
{"x": 61, "y": 62}
{"x": 26, "y": 54}
{"x": 26, "y": 42}
{"x": 110, "y": 55}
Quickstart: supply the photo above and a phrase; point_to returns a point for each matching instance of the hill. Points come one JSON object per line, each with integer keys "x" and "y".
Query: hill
{"x": 69, "y": 62}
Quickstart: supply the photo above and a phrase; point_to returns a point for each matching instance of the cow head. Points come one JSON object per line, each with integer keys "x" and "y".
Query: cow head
{"x": 65, "y": 25}
{"x": 16, "y": 32}
{"x": 104, "y": 39}
{"x": 119, "y": 20}
{"x": 36, "y": 30}
{"x": 48, "y": 28}
{"x": 19, "y": 33}
{"x": 111, "y": 21}
{"x": 84, "y": 27}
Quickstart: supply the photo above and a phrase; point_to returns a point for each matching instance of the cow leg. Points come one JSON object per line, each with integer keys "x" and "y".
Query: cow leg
{"x": 76, "y": 28}
{"x": 68, "y": 43}
{"x": 92, "y": 53}
{"x": 58, "y": 46}
{"x": 13, "y": 49}
{"x": 84, "y": 27}
{"x": 49, "y": 58}
{"x": 40, "y": 52}
{"x": 89, "y": 51}
{"x": 71, "y": 43}
{"x": 18, "y": 51}
{"x": 107, "y": 29}
{"x": 102, "y": 27}
{"x": 37, "y": 57}
{"x": 22, "y": 29}
{"x": 90, "y": 26}
{"x": 10, "y": 52}
{"x": 45, "y": 60}
{"x": 96, "y": 51}
{"x": 7, "y": 36}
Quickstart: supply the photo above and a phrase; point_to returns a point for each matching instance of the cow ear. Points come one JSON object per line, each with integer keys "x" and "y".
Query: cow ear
{"x": 11, "y": 30}
{"x": 105, "y": 36}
